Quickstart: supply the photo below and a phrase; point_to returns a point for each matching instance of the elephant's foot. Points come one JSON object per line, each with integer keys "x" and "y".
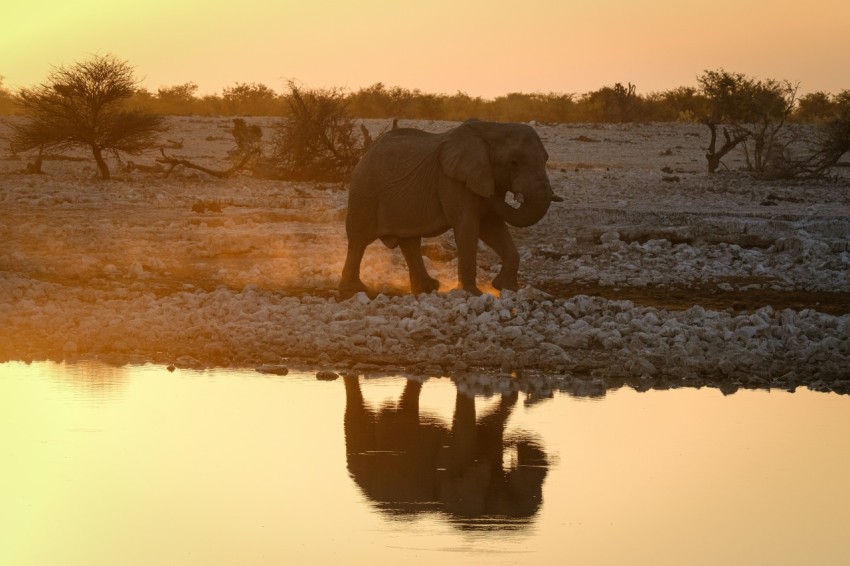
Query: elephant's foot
{"x": 425, "y": 285}
{"x": 472, "y": 289}
{"x": 350, "y": 288}
{"x": 505, "y": 282}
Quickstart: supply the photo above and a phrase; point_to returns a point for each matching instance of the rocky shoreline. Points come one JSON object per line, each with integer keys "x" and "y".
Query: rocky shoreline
{"x": 527, "y": 332}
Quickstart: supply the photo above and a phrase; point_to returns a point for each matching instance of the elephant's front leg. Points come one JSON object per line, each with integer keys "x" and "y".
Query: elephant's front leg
{"x": 420, "y": 281}
{"x": 495, "y": 233}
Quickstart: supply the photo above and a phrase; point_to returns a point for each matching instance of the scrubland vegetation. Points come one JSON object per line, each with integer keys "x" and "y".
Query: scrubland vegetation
{"x": 99, "y": 104}
{"x": 616, "y": 103}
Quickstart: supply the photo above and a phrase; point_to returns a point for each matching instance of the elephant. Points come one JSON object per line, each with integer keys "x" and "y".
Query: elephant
{"x": 409, "y": 463}
{"x": 412, "y": 184}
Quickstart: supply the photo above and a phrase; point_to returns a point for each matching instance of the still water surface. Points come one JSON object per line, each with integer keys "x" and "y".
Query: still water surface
{"x": 136, "y": 465}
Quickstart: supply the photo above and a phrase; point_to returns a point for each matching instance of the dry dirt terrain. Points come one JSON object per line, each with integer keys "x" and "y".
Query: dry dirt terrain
{"x": 650, "y": 272}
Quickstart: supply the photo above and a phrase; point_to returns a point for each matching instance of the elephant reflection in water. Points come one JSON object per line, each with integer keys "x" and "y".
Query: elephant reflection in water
{"x": 410, "y": 465}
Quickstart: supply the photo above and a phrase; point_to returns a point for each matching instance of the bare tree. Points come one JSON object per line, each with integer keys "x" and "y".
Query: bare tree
{"x": 85, "y": 105}
{"x": 714, "y": 155}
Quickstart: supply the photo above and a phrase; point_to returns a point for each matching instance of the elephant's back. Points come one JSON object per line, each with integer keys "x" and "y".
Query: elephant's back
{"x": 404, "y": 142}
{"x": 401, "y": 157}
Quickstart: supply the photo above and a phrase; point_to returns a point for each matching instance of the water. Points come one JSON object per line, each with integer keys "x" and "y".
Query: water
{"x": 137, "y": 465}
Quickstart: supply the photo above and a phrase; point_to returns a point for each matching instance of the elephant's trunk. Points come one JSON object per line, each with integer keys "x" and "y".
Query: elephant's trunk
{"x": 534, "y": 206}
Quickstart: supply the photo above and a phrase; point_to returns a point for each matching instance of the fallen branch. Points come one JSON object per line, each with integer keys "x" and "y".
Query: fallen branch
{"x": 173, "y": 162}
{"x": 132, "y": 166}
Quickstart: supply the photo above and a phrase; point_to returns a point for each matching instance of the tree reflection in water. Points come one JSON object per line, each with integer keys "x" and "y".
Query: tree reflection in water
{"x": 471, "y": 473}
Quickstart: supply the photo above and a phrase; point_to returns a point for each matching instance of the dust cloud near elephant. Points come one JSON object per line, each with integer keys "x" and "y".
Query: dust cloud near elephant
{"x": 412, "y": 184}
{"x": 408, "y": 464}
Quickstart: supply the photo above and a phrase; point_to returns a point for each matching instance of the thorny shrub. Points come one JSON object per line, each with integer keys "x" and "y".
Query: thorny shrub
{"x": 318, "y": 141}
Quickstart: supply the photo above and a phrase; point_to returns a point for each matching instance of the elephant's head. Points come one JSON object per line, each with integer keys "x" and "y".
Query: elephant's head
{"x": 494, "y": 159}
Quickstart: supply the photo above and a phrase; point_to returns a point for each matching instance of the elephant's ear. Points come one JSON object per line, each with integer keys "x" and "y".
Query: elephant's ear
{"x": 465, "y": 157}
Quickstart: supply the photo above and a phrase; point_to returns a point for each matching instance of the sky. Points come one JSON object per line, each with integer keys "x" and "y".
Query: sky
{"x": 484, "y": 48}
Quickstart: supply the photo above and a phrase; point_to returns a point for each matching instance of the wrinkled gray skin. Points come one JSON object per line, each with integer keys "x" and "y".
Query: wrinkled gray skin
{"x": 412, "y": 184}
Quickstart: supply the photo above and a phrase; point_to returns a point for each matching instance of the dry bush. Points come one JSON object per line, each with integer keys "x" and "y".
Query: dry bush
{"x": 815, "y": 107}
{"x": 616, "y": 103}
{"x": 249, "y": 99}
{"x": 177, "y": 99}
{"x": 318, "y": 141}
{"x": 817, "y": 152}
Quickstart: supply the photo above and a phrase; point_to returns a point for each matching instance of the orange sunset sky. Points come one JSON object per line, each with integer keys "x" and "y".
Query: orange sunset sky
{"x": 484, "y": 48}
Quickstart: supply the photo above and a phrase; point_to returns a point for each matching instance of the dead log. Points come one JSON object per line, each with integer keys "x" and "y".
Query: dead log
{"x": 133, "y": 166}
{"x": 173, "y": 162}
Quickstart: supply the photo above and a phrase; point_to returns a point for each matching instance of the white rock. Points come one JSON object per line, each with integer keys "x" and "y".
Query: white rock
{"x": 361, "y": 298}
{"x": 610, "y": 236}
{"x": 511, "y": 332}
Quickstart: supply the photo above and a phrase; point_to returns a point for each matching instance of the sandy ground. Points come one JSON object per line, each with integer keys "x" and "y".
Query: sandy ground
{"x": 131, "y": 270}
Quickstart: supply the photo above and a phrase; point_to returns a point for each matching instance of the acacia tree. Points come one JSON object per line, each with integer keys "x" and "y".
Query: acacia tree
{"x": 86, "y": 105}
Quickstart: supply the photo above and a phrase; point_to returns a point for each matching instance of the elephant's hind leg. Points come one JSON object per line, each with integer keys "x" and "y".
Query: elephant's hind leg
{"x": 350, "y": 282}
{"x": 420, "y": 281}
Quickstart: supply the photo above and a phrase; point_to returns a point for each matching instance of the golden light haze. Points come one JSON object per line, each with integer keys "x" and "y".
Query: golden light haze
{"x": 482, "y": 47}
